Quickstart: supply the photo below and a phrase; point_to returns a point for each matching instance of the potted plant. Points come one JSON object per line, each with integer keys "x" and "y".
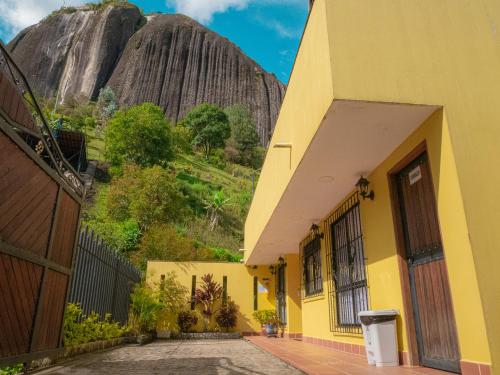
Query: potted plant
{"x": 269, "y": 321}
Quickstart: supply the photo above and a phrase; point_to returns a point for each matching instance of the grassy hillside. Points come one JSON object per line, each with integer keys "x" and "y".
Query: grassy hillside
{"x": 199, "y": 181}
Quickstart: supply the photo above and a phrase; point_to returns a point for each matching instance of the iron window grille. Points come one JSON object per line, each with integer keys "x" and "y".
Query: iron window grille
{"x": 311, "y": 267}
{"x": 348, "y": 294}
{"x": 281, "y": 294}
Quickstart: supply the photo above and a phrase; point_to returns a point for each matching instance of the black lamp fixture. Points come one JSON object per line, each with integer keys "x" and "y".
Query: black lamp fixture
{"x": 362, "y": 186}
{"x": 316, "y": 232}
{"x": 281, "y": 262}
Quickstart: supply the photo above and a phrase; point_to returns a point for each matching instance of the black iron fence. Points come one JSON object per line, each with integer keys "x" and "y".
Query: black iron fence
{"x": 103, "y": 279}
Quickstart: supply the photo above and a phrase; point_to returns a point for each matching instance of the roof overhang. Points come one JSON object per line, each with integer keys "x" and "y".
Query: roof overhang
{"x": 353, "y": 139}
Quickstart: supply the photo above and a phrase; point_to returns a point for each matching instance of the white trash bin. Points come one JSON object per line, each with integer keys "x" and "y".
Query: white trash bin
{"x": 379, "y": 330}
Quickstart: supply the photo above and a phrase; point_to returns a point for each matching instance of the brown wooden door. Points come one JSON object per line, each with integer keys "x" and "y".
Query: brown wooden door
{"x": 431, "y": 299}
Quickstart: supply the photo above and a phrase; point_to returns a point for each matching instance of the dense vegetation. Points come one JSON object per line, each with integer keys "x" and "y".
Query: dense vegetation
{"x": 166, "y": 192}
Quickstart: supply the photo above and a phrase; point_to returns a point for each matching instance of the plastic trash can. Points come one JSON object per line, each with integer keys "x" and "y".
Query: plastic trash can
{"x": 379, "y": 331}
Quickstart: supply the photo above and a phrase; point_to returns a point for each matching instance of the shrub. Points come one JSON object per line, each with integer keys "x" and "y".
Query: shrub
{"x": 12, "y": 370}
{"x": 186, "y": 320}
{"x": 149, "y": 196}
{"x": 225, "y": 255}
{"x": 145, "y": 308}
{"x": 266, "y": 317}
{"x": 162, "y": 242}
{"x": 227, "y": 317}
{"x": 206, "y": 297}
{"x": 173, "y": 296}
{"x": 181, "y": 139}
{"x": 80, "y": 328}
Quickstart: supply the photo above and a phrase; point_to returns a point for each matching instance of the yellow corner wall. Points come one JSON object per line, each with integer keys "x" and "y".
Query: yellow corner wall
{"x": 380, "y": 249}
{"x": 293, "y": 302}
{"x": 309, "y": 95}
{"x": 445, "y": 53}
{"x": 239, "y": 285}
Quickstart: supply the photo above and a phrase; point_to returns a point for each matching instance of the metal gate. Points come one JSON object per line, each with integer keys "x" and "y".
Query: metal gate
{"x": 40, "y": 200}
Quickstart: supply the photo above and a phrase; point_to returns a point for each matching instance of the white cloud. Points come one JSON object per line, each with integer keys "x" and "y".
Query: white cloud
{"x": 204, "y": 10}
{"x": 18, "y": 14}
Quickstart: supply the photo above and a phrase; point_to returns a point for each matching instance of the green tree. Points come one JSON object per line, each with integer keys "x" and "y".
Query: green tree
{"x": 139, "y": 135}
{"x": 215, "y": 207}
{"x": 209, "y": 126}
{"x": 106, "y": 105}
{"x": 148, "y": 196}
{"x": 244, "y": 137}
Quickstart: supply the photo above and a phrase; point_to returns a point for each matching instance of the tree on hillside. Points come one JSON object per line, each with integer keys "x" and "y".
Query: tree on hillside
{"x": 138, "y": 135}
{"x": 150, "y": 195}
{"x": 215, "y": 207}
{"x": 244, "y": 136}
{"x": 106, "y": 106}
{"x": 209, "y": 126}
{"x": 243, "y": 146}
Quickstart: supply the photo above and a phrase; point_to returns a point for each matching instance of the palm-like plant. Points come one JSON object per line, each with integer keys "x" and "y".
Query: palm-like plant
{"x": 206, "y": 296}
{"x": 215, "y": 207}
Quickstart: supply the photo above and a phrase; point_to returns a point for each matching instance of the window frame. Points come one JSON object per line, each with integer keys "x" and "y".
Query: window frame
{"x": 347, "y": 273}
{"x": 313, "y": 286}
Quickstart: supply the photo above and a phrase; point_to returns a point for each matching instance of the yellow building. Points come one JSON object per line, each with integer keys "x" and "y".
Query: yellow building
{"x": 404, "y": 93}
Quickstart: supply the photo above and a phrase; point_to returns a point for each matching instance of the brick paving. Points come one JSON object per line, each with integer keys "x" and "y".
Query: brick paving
{"x": 200, "y": 357}
{"x": 318, "y": 360}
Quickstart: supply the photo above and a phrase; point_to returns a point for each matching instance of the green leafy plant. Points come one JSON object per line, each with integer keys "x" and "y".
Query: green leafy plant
{"x": 266, "y": 317}
{"x": 12, "y": 370}
{"x": 227, "y": 316}
{"x": 145, "y": 308}
{"x": 206, "y": 296}
{"x": 186, "y": 320}
{"x": 173, "y": 296}
{"x": 80, "y": 328}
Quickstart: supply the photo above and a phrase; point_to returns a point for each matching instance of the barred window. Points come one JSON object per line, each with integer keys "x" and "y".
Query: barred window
{"x": 346, "y": 267}
{"x": 313, "y": 280}
{"x": 349, "y": 267}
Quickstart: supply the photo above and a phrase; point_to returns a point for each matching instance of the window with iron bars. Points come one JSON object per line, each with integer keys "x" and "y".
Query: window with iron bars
{"x": 348, "y": 292}
{"x": 311, "y": 267}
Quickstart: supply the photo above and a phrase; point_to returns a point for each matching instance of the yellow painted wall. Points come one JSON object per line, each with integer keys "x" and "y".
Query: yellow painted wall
{"x": 293, "y": 300}
{"x": 447, "y": 53}
{"x": 308, "y": 97}
{"x": 239, "y": 285}
{"x": 381, "y": 253}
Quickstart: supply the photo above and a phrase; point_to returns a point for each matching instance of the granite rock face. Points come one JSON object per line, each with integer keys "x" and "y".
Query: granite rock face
{"x": 74, "y": 53}
{"x": 167, "y": 59}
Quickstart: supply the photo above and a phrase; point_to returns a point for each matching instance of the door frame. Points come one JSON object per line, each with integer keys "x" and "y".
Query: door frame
{"x": 413, "y": 358}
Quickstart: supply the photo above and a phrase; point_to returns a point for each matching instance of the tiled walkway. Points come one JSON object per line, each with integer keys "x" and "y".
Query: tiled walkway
{"x": 317, "y": 360}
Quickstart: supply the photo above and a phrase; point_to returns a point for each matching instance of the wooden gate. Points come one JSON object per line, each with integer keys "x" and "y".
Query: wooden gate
{"x": 430, "y": 293}
{"x": 40, "y": 199}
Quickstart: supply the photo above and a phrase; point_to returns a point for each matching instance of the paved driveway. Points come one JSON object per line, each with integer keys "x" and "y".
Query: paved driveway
{"x": 204, "y": 357}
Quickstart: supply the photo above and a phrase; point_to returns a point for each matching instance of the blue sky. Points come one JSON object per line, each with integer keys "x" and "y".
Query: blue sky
{"x": 268, "y": 31}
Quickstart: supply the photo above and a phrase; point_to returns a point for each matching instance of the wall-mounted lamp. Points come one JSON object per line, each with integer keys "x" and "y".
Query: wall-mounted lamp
{"x": 316, "y": 231}
{"x": 272, "y": 269}
{"x": 281, "y": 262}
{"x": 363, "y": 187}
